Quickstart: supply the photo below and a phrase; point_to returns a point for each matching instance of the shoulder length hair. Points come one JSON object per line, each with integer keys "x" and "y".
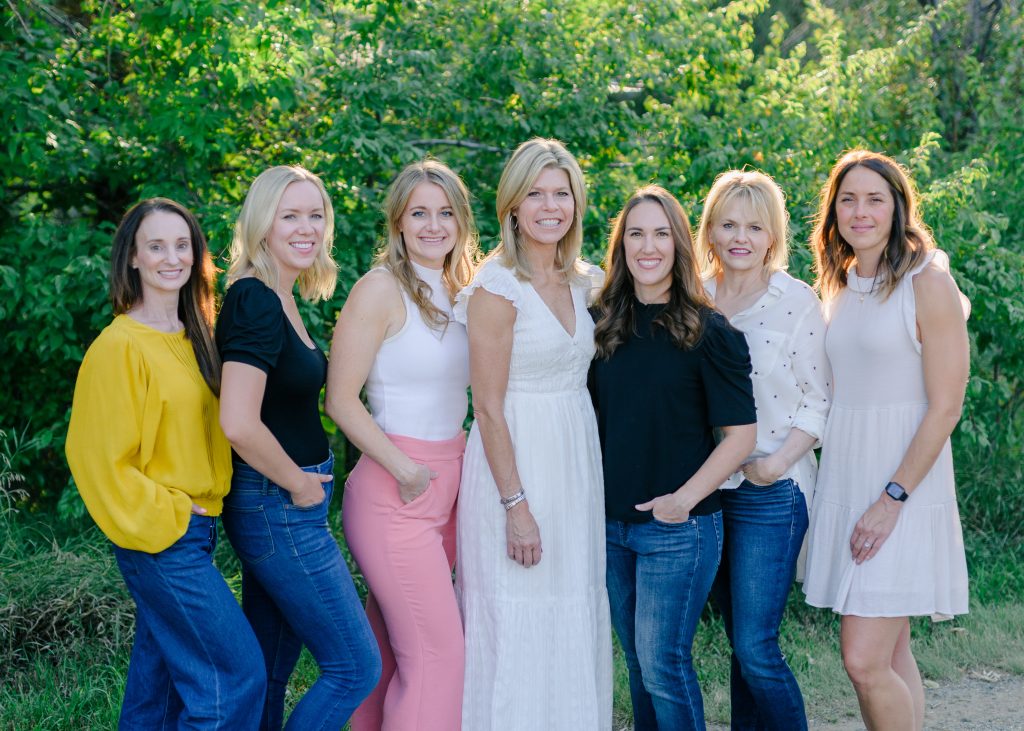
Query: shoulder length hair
{"x": 683, "y": 316}
{"x": 458, "y": 263}
{"x": 249, "y": 251}
{"x": 195, "y": 299}
{"x": 519, "y": 176}
{"x": 909, "y": 240}
{"x": 765, "y": 199}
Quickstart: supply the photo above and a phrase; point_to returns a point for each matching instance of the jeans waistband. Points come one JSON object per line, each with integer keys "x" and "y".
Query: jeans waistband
{"x": 244, "y": 472}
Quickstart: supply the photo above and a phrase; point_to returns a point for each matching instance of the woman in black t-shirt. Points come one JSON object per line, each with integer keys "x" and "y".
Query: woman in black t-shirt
{"x": 669, "y": 371}
{"x": 296, "y": 588}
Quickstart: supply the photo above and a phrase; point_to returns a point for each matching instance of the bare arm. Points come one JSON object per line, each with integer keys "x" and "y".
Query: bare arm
{"x": 945, "y": 354}
{"x": 373, "y": 312}
{"x": 241, "y": 394}
{"x": 725, "y": 459}
{"x": 490, "y": 322}
{"x": 768, "y": 469}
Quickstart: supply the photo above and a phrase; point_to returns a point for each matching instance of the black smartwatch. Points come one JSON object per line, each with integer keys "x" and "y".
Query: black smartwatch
{"x": 896, "y": 492}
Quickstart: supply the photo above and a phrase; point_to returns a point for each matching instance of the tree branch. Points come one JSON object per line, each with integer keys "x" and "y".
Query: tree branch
{"x": 457, "y": 143}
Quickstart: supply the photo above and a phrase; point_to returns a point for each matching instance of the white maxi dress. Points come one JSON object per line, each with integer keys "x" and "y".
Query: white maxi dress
{"x": 538, "y": 640}
{"x": 878, "y": 404}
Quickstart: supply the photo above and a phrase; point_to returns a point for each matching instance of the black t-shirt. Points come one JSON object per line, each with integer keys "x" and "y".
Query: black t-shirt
{"x": 253, "y": 329}
{"x": 657, "y": 406}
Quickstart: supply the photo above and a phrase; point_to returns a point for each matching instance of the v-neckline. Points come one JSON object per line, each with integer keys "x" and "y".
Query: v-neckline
{"x": 551, "y": 313}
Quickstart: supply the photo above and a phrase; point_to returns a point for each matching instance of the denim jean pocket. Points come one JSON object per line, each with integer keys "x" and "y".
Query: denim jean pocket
{"x": 691, "y": 521}
{"x": 289, "y": 505}
{"x": 249, "y": 532}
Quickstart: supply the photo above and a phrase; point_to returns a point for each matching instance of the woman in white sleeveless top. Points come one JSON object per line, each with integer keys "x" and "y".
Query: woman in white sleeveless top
{"x": 885, "y": 541}
{"x": 397, "y": 336}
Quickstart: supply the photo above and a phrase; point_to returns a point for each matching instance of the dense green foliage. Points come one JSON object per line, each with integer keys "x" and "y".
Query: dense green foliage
{"x": 105, "y": 103}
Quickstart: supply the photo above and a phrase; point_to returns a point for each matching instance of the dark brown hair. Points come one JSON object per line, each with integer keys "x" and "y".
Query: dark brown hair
{"x": 687, "y": 304}
{"x": 909, "y": 239}
{"x": 195, "y": 301}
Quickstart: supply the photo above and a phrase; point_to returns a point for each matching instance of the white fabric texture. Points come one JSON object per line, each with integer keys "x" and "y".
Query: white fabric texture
{"x": 538, "y": 640}
{"x": 417, "y": 386}
{"x": 878, "y": 405}
{"x": 790, "y": 371}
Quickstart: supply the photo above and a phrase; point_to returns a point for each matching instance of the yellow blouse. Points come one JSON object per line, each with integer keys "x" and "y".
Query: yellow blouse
{"x": 145, "y": 441}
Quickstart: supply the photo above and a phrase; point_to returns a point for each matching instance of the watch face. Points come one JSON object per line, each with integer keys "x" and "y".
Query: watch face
{"x": 896, "y": 491}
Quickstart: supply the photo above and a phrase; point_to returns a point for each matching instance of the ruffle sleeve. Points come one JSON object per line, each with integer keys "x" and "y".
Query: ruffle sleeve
{"x": 725, "y": 370}
{"x": 251, "y": 325}
{"x": 496, "y": 279}
{"x": 905, "y": 292}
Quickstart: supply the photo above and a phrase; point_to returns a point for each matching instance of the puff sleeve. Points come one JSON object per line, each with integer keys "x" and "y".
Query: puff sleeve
{"x": 107, "y": 446}
{"x": 251, "y": 325}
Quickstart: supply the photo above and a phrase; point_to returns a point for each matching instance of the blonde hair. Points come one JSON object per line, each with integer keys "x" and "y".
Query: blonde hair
{"x": 520, "y": 175}
{"x": 249, "y": 252}
{"x": 458, "y": 263}
{"x": 909, "y": 240}
{"x": 765, "y": 198}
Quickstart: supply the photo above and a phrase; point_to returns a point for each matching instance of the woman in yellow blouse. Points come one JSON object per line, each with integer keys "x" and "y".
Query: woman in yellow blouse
{"x": 152, "y": 465}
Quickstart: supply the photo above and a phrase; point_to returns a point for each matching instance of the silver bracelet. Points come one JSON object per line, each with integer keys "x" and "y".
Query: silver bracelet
{"x": 512, "y": 500}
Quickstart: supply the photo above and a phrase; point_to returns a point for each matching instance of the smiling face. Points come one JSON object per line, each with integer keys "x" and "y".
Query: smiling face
{"x": 163, "y": 253}
{"x": 740, "y": 238}
{"x": 864, "y": 211}
{"x": 428, "y": 226}
{"x": 649, "y": 251}
{"x": 546, "y": 213}
{"x": 297, "y": 233}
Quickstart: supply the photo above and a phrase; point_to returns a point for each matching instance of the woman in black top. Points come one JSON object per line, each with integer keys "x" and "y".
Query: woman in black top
{"x": 296, "y": 588}
{"x": 669, "y": 371}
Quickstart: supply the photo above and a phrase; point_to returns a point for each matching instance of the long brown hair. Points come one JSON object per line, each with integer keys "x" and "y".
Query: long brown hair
{"x": 909, "y": 240}
{"x": 195, "y": 300}
{"x": 683, "y": 316}
{"x": 458, "y": 263}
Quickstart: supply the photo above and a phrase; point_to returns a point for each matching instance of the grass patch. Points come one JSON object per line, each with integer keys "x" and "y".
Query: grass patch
{"x": 66, "y": 624}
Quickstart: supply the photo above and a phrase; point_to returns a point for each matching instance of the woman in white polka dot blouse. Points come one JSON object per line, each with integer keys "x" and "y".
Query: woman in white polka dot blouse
{"x": 743, "y": 244}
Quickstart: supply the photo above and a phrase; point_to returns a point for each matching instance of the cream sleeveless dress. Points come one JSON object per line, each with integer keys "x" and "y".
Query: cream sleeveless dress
{"x": 879, "y": 402}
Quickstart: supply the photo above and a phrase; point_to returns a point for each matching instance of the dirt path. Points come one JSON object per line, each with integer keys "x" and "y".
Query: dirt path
{"x": 982, "y": 701}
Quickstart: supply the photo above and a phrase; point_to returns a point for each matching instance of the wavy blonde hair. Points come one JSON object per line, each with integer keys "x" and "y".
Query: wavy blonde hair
{"x": 458, "y": 263}
{"x": 765, "y": 198}
{"x": 909, "y": 240}
{"x": 520, "y": 174}
{"x": 249, "y": 251}
{"x": 683, "y": 316}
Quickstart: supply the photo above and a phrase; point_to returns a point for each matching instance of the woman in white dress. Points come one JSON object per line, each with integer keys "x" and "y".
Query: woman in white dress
{"x": 885, "y": 537}
{"x": 531, "y": 564}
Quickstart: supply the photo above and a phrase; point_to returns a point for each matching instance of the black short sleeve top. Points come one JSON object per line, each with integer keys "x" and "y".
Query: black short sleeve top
{"x": 657, "y": 406}
{"x": 253, "y": 329}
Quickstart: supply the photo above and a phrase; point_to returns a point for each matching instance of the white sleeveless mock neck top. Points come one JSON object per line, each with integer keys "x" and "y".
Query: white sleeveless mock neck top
{"x": 417, "y": 384}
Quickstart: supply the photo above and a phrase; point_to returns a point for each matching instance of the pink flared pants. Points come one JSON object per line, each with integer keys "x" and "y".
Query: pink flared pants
{"x": 406, "y": 553}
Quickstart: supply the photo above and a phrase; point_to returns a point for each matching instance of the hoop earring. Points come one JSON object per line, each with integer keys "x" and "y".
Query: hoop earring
{"x": 711, "y": 256}
{"x": 515, "y": 221}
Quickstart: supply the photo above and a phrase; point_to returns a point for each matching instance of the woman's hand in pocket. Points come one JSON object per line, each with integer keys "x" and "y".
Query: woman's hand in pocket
{"x": 415, "y": 484}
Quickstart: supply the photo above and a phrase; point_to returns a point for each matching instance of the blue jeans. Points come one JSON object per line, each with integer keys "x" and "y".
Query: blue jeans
{"x": 764, "y": 528}
{"x": 297, "y": 590}
{"x": 659, "y": 576}
{"x": 195, "y": 662}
